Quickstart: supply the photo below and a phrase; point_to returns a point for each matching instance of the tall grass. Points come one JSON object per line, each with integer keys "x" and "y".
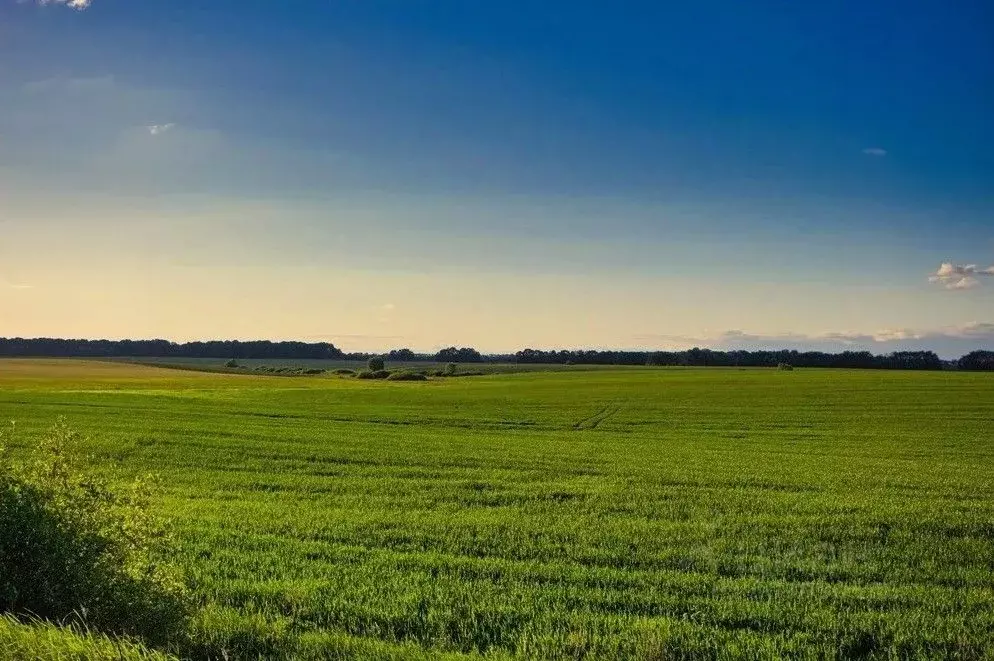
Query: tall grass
{"x": 618, "y": 514}
{"x": 39, "y": 640}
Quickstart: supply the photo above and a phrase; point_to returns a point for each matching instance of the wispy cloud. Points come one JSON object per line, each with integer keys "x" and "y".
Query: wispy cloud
{"x": 875, "y": 151}
{"x": 157, "y": 129}
{"x": 956, "y": 276}
{"x": 4, "y": 282}
{"x": 69, "y": 85}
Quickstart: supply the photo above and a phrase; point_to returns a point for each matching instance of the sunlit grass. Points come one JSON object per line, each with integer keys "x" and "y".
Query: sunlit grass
{"x": 638, "y": 513}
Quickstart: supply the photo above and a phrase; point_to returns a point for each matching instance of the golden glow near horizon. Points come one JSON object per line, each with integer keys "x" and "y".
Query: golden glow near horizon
{"x": 241, "y": 269}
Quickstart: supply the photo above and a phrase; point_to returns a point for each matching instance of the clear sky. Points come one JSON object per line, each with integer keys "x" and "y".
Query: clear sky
{"x": 500, "y": 174}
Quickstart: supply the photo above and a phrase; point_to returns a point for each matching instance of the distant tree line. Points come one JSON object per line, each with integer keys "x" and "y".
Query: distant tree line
{"x": 978, "y": 361}
{"x": 165, "y": 349}
{"x": 449, "y": 355}
{"x": 696, "y": 357}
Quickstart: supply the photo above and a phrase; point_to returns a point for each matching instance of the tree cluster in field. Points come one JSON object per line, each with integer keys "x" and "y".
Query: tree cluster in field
{"x": 696, "y": 357}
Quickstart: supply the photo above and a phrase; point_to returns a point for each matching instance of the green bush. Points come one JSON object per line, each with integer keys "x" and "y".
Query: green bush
{"x": 786, "y": 367}
{"x": 74, "y": 549}
{"x": 450, "y": 369}
{"x": 375, "y": 364}
{"x": 231, "y": 364}
{"x": 344, "y": 372}
{"x": 407, "y": 375}
{"x": 372, "y": 374}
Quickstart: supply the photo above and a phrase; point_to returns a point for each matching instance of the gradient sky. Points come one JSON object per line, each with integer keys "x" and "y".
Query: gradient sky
{"x": 501, "y": 175}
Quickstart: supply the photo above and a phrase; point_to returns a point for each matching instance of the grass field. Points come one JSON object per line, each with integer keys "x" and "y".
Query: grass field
{"x": 635, "y": 513}
{"x": 218, "y": 364}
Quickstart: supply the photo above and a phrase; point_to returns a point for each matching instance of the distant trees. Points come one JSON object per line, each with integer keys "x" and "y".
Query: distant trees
{"x": 375, "y": 364}
{"x": 913, "y": 360}
{"x": 696, "y": 357}
{"x": 463, "y": 355}
{"x": 402, "y": 355}
{"x": 977, "y": 361}
{"x": 232, "y": 349}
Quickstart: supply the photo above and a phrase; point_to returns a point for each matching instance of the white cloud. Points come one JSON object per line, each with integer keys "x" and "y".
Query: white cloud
{"x": 875, "y": 151}
{"x": 156, "y": 129}
{"x": 79, "y": 5}
{"x": 956, "y": 276}
{"x": 896, "y": 334}
{"x": 964, "y": 283}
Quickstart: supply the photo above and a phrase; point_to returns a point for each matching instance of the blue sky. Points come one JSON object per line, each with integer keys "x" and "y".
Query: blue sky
{"x": 499, "y": 174}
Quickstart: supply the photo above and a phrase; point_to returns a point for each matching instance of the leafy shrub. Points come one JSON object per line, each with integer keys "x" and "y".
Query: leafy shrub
{"x": 407, "y": 375}
{"x": 314, "y": 370}
{"x": 786, "y": 367}
{"x": 372, "y": 374}
{"x": 231, "y": 364}
{"x": 450, "y": 369}
{"x": 344, "y": 372}
{"x": 74, "y": 549}
{"x": 375, "y": 364}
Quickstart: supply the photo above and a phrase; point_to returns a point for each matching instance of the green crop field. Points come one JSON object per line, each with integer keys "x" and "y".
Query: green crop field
{"x": 618, "y": 514}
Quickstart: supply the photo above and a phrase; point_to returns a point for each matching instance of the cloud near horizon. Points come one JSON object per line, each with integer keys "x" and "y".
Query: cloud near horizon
{"x": 958, "y": 277}
{"x": 949, "y": 342}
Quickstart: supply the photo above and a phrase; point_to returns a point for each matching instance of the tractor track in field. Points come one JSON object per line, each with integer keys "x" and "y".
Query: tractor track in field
{"x": 596, "y": 419}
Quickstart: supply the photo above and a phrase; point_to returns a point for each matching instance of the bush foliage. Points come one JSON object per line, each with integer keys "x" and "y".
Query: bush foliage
{"x": 75, "y": 550}
{"x": 407, "y": 375}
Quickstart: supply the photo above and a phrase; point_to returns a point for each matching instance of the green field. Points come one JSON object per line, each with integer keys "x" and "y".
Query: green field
{"x": 248, "y": 364}
{"x": 630, "y": 514}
